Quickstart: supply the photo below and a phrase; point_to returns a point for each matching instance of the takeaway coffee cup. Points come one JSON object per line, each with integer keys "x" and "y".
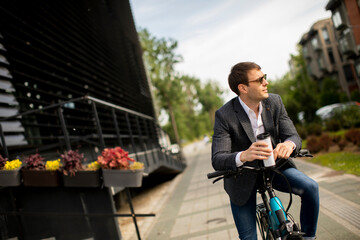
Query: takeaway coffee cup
{"x": 265, "y": 137}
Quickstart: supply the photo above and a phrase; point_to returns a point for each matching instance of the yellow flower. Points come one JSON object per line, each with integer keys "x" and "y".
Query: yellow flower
{"x": 12, "y": 165}
{"x": 137, "y": 165}
{"x": 53, "y": 165}
{"x": 93, "y": 166}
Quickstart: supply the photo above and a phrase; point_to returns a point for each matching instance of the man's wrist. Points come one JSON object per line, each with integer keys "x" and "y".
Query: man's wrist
{"x": 292, "y": 143}
{"x": 239, "y": 163}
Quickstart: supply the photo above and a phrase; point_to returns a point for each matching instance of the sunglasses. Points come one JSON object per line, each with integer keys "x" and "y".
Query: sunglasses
{"x": 260, "y": 79}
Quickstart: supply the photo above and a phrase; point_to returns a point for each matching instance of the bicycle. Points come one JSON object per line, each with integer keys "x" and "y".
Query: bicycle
{"x": 273, "y": 221}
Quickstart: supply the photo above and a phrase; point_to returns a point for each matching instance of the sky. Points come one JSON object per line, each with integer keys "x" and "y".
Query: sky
{"x": 214, "y": 35}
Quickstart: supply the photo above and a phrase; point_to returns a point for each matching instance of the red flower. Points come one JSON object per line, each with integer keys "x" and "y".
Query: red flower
{"x": 115, "y": 158}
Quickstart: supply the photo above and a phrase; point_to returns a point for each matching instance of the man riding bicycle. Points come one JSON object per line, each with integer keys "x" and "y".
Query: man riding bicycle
{"x": 237, "y": 123}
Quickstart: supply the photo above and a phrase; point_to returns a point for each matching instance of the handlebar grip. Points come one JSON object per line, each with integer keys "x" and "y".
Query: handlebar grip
{"x": 218, "y": 173}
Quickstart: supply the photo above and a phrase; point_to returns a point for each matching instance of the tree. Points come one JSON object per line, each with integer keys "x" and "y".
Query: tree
{"x": 300, "y": 93}
{"x": 210, "y": 99}
{"x": 190, "y": 104}
{"x": 195, "y": 118}
{"x": 330, "y": 91}
{"x": 285, "y": 87}
{"x": 160, "y": 59}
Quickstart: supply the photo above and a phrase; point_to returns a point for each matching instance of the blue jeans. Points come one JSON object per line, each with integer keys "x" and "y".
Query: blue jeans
{"x": 303, "y": 186}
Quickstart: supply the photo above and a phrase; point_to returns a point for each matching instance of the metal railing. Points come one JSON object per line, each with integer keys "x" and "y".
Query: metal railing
{"x": 138, "y": 134}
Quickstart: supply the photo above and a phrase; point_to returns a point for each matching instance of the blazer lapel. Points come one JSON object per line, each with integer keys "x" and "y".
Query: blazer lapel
{"x": 267, "y": 119}
{"x": 244, "y": 120}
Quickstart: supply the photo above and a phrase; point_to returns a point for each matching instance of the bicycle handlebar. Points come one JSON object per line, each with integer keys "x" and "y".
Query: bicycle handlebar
{"x": 231, "y": 172}
{"x": 219, "y": 173}
{"x": 226, "y": 173}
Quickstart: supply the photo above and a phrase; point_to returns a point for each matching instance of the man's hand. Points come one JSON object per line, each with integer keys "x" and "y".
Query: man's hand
{"x": 283, "y": 150}
{"x": 257, "y": 151}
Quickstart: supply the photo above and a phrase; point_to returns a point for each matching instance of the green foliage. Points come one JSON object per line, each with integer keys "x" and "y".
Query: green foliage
{"x": 341, "y": 161}
{"x": 348, "y": 117}
{"x": 210, "y": 98}
{"x": 344, "y": 97}
{"x": 301, "y": 131}
{"x": 302, "y": 94}
{"x": 314, "y": 128}
{"x": 190, "y": 104}
{"x": 330, "y": 92}
{"x": 194, "y": 118}
{"x": 355, "y": 96}
{"x": 299, "y": 92}
{"x": 333, "y": 125}
{"x": 304, "y": 89}
{"x": 285, "y": 87}
{"x": 160, "y": 59}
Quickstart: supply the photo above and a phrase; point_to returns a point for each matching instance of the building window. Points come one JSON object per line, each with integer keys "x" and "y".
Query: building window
{"x": 308, "y": 67}
{"x": 344, "y": 44}
{"x": 320, "y": 62}
{"x": 326, "y": 35}
{"x": 315, "y": 43}
{"x": 305, "y": 51}
{"x": 357, "y": 67}
{"x": 348, "y": 73}
{"x": 331, "y": 55}
{"x": 337, "y": 19}
{"x": 339, "y": 53}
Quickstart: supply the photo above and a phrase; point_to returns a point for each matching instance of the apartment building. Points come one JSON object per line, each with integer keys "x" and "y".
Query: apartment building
{"x": 321, "y": 53}
{"x": 346, "y": 23}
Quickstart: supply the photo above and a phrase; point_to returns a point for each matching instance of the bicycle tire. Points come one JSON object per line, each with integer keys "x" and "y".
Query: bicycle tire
{"x": 262, "y": 220}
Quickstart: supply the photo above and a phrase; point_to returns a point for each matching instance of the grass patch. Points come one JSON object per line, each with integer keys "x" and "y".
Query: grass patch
{"x": 340, "y": 133}
{"x": 304, "y": 144}
{"x": 347, "y": 162}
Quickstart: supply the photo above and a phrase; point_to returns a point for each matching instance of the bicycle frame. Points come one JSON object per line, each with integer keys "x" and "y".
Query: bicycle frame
{"x": 277, "y": 224}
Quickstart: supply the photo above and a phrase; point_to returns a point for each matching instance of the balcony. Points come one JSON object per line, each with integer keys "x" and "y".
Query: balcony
{"x": 347, "y": 44}
{"x": 339, "y": 19}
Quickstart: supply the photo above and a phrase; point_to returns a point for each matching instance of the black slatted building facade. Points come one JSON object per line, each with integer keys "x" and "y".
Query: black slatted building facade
{"x": 55, "y": 51}
{"x": 72, "y": 77}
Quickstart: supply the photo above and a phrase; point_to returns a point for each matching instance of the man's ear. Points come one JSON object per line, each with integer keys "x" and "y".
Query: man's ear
{"x": 242, "y": 88}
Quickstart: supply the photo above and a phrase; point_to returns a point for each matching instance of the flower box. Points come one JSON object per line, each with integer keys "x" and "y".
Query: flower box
{"x": 82, "y": 178}
{"x": 41, "y": 178}
{"x": 10, "y": 178}
{"x": 122, "y": 178}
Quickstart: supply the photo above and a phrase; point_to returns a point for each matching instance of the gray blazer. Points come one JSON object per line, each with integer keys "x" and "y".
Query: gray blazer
{"x": 233, "y": 133}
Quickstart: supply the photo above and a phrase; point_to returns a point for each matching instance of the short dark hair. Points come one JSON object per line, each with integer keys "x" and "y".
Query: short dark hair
{"x": 238, "y": 75}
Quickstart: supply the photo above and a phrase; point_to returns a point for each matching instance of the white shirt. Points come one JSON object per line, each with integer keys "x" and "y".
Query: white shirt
{"x": 256, "y": 124}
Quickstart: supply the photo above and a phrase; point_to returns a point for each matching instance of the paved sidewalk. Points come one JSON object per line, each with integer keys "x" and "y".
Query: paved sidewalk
{"x": 191, "y": 207}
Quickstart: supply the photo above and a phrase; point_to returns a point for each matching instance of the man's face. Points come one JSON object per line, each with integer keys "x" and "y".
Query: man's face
{"x": 257, "y": 91}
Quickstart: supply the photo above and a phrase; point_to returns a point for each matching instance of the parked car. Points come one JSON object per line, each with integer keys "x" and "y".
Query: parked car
{"x": 329, "y": 111}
